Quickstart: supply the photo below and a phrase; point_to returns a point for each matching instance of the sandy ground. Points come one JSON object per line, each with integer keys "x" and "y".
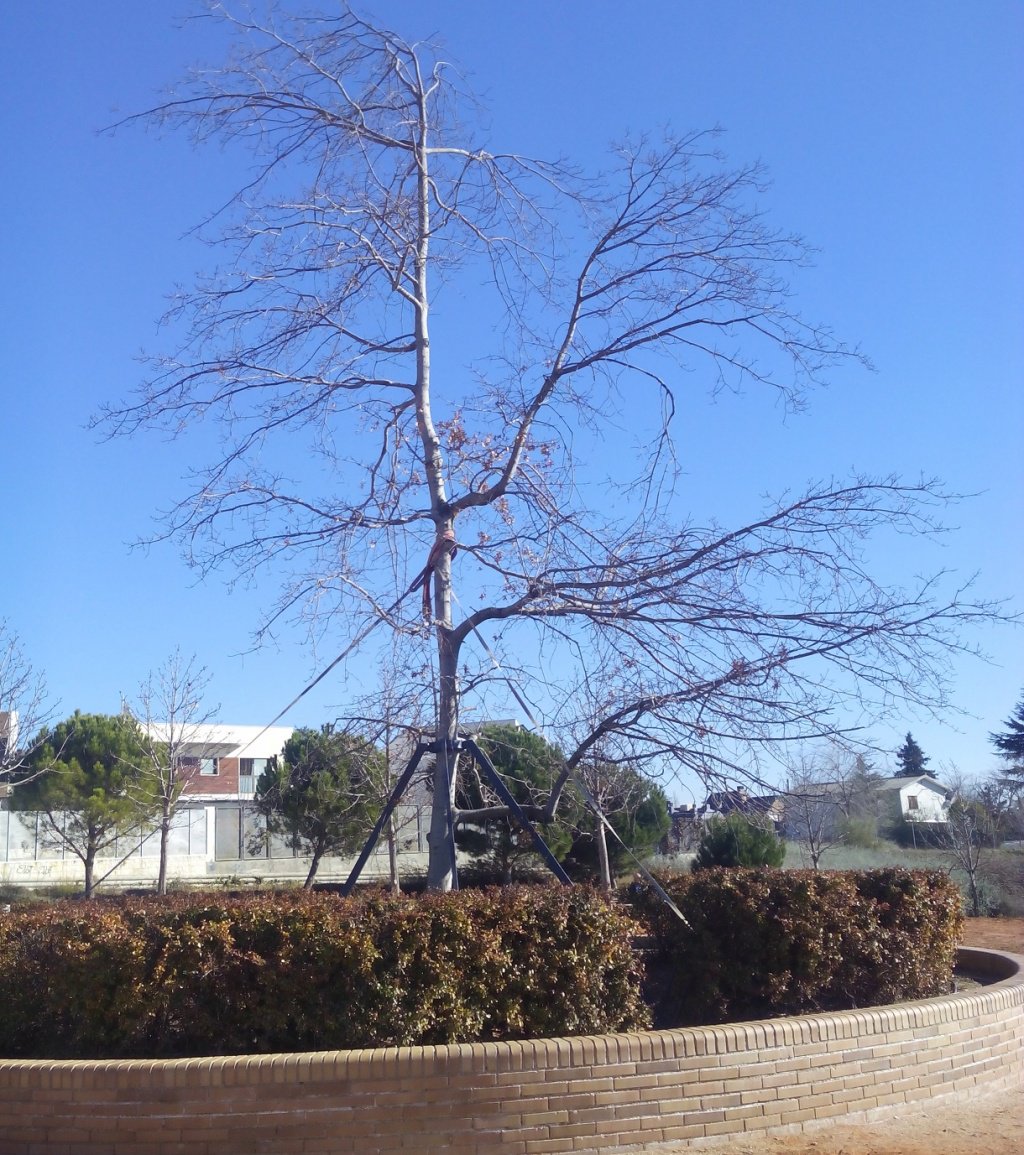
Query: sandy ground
{"x": 986, "y": 1125}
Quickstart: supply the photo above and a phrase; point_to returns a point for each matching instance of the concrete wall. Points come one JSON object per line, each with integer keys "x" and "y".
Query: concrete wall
{"x": 580, "y": 1094}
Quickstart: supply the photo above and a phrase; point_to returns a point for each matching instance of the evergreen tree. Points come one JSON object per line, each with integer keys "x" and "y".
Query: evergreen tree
{"x": 86, "y": 782}
{"x": 637, "y": 811}
{"x": 529, "y": 766}
{"x": 735, "y": 841}
{"x": 1010, "y": 743}
{"x": 911, "y": 758}
{"x": 321, "y": 798}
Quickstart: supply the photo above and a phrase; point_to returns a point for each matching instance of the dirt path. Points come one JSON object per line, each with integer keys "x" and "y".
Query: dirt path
{"x": 985, "y": 1125}
{"x": 997, "y": 933}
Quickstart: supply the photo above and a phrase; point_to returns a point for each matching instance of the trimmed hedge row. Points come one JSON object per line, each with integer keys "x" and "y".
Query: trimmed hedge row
{"x": 758, "y": 943}
{"x": 291, "y": 972}
{"x": 296, "y": 971}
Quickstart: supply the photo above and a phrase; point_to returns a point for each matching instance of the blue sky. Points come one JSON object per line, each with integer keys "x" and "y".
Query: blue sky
{"x": 893, "y": 136}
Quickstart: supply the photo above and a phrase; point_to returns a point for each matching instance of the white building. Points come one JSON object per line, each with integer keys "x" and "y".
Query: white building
{"x": 8, "y": 734}
{"x": 915, "y": 799}
{"x": 216, "y": 831}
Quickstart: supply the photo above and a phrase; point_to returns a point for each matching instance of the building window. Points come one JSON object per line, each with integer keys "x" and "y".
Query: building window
{"x": 186, "y": 767}
{"x": 911, "y": 801}
{"x": 249, "y": 771}
{"x": 209, "y": 767}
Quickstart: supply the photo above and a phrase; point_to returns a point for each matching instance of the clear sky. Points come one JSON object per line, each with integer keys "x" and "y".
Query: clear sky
{"x": 893, "y": 134}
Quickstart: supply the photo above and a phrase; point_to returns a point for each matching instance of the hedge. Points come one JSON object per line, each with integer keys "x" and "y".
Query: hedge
{"x": 198, "y": 975}
{"x": 757, "y": 943}
{"x": 184, "y": 976}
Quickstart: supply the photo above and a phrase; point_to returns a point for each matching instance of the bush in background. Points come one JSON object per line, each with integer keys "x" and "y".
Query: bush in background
{"x": 735, "y": 841}
{"x": 860, "y": 832}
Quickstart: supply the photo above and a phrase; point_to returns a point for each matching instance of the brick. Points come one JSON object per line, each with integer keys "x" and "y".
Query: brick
{"x": 546, "y": 1117}
{"x": 614, "y": 1097}
{"x": 725, "y": 1127}
{"x": 681, "y": 1133}
{"x": 679, "y": 1106}
{"x": 542, "y": 1145}
{"x": 760, "y": 1095}
{"x": 798, "y": 1116}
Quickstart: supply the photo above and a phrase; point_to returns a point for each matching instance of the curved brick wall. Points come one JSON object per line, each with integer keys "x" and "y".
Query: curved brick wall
{"x": 576, "y": 1094}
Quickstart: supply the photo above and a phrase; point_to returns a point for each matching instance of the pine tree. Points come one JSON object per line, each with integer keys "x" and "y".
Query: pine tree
{"x": 320, "y": 798}
{"x": 1010, "y": 743}
{"x": 735, "y": 841}
{"x": 911, "y": 758}
{"x": 528, "y": 765}
{"x": 86, "y": 784}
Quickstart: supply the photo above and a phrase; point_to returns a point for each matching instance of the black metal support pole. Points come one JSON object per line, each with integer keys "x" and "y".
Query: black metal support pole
{"x": 396, "y": 795}
{"x": 505, "y": 795}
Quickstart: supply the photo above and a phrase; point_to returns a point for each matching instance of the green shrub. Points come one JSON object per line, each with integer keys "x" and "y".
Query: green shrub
{"x": 191, "y": 975}
{"x": 735, "y": 841}
{"x": 860, "y": 832}
{"x": 766, "y": 942}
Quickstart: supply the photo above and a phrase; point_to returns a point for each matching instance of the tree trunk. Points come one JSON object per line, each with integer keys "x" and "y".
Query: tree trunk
{"x": 396, "y": 887}
{"x": 441, "y": 874}
{"x": 314, "y": 865}
{"x": 972, "y": 882}
{"x": 441, "y": 869}
{"x": 90, "y": 861}
{"x": 165, "y": 830}
{"x": 602, "y": 855}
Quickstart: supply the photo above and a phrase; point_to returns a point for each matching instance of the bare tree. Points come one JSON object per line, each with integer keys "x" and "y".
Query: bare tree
{"x": 623, "y": 803}
{"x": 362, "y": 453}
{"x": 393, "y": 718}
{"x": 967, "y": 836}
{"x": 818, "y": 801}
{"x": 170, "y": 713}
{"x": 24, "y": 714}
{"x": 1001, "y": 796}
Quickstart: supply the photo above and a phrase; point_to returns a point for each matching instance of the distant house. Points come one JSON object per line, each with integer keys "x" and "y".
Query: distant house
{"x": 921, "y": 799}
{"x": 219, "y": 767}
{"x": 685, "y": 829}
{"x": 689, "y": 819}
{"x": 765, "y": 807}
{"x": 918, "y": 799}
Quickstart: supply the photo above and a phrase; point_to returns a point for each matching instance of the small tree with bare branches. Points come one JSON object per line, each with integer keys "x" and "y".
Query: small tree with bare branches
{"x": 967, "y": 836}
{"x": 174, "y": 721}
{"x": 392, "y": 718}
{"x": 367, "y": 441}
{"x": 626, "y": 816}
{"x": 23, "y": 709}
{"x": 824, "y": 796}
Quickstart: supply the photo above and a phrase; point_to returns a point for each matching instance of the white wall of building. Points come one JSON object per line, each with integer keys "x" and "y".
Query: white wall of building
{"x": 193, "y": 857}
